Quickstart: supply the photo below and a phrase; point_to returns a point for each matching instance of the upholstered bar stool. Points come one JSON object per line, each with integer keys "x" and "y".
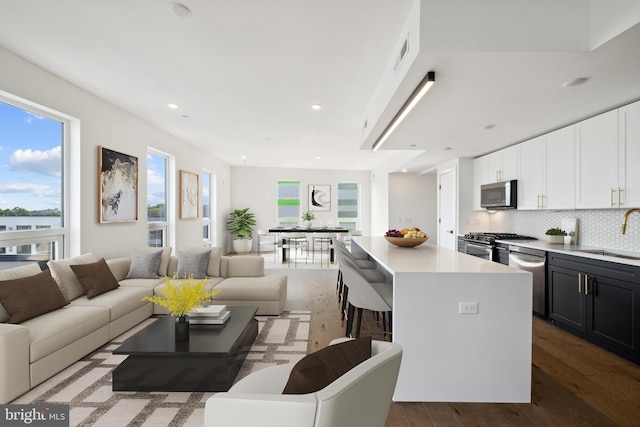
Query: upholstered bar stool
{"x": 366, "y": 295}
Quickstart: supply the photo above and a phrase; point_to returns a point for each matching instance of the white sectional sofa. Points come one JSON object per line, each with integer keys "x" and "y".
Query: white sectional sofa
{"x": 35, "y": 349}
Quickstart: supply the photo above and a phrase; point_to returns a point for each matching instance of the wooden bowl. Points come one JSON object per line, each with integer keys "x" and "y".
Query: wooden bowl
{"x": 406, "y": 243}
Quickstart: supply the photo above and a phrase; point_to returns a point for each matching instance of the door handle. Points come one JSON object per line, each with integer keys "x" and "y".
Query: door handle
{"x": 586, "y": 284}
{"x": 579, "y": 283}
{"x": 450, "y": 231}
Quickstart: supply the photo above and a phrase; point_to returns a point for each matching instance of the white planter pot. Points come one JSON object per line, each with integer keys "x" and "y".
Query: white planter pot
{"x": 555, "y": 239}
{"x": 242, "y": 246}
{"x": 306, "y": 224}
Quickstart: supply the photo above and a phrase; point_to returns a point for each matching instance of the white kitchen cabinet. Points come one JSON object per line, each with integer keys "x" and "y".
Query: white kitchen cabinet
{"x": 479, "y": 178}
{"x": 559, "y": 167}
{"x": 629, "y": 155}
{"x": 502, "y": 165}
{"x": 546, "y": 171}
{"x": 530, "y": 179}
{"x": 596, "y": 173}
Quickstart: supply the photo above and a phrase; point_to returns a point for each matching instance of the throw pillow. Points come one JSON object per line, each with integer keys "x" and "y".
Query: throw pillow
{"x": 96, "y": 278}
{"x": 30, "y": 296}
{"x": 16, "y": 273}
{"x": 145, "y": 264}
{"x": 193, "y": 263}
{"x": 317, "y": 370}
{"x": 64, "y": 277}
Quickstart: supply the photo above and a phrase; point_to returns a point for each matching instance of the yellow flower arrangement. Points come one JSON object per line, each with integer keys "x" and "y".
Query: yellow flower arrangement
{"x": 181, "y": 296}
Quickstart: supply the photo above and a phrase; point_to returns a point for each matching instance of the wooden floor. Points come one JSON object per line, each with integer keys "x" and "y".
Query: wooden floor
{"x": 573, "y": 382}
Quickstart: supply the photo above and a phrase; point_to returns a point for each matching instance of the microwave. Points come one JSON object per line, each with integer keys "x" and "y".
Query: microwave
{"x": 499, "y": 195}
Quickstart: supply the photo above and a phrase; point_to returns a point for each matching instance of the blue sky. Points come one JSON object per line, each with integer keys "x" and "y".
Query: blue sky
{"x": 30, "y": 160}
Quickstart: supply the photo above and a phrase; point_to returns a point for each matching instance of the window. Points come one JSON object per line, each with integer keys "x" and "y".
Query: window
{"x": 349, "y": 205}
{"x": 209, "y": 235}
{"x": 157, "y": 190}
{"x": 289, "y": 212}
{"x": 33, "y": 141}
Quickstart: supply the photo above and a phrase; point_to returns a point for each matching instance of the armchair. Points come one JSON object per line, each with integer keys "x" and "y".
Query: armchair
{"x": 360, "y": 397}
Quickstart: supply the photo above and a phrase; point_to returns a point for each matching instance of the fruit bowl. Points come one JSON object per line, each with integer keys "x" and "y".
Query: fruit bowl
{"x": 406, "y": 243}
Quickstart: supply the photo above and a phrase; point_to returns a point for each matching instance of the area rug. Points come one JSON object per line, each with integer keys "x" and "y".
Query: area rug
{"x": 86, "y": 385}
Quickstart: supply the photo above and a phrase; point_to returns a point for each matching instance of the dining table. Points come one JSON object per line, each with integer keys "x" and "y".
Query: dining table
{"x": 308, "y": 230}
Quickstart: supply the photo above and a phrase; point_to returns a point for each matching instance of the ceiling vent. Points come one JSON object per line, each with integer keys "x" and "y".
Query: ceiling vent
{"x": 404, "y": 49}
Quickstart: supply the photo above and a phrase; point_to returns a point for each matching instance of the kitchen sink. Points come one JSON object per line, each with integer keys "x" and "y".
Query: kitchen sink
{"x": 604, "y": 252}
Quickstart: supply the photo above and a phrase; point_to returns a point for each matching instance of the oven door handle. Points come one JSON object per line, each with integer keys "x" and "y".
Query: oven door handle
{"x": 484, "y": 248}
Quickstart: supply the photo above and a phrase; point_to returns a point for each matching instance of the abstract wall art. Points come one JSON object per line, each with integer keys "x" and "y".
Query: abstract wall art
{"x": 118, "y": 186}
{"x": 319, "y": 197}
{"x": 189, "y": 190}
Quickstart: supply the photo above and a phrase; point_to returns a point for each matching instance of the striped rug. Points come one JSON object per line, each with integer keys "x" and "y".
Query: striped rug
{"x": 86, "y": 385}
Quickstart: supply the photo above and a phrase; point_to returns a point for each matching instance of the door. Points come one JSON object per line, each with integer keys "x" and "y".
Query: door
{"x": 447, "y": 209}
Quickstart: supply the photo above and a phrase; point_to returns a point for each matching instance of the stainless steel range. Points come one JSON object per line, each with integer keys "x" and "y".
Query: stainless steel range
{"x": 483, "y": 245}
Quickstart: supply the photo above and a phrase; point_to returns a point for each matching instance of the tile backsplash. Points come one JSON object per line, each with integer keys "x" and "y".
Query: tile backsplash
{"x": 596, "y": 227}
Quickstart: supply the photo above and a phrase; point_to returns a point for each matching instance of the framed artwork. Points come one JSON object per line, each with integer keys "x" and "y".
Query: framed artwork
{"x": 117, "y": 186}
{"x": 189, "y": 190}
{"x": 319, "y": 197}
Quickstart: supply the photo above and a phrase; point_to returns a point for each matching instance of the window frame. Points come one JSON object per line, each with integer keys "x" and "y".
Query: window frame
{"x": 168, "y": 225}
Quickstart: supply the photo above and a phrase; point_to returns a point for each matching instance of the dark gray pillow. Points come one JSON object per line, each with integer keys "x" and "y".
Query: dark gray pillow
{"x": 193, "y": 263}
{"x": 145, "y": 264}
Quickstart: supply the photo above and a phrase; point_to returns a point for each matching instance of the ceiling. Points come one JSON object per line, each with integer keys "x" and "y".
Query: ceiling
{"x": 245, "y": 73}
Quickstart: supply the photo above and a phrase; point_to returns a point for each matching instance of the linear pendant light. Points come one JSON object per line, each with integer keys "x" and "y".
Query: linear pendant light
{"x": 411, "y": 102}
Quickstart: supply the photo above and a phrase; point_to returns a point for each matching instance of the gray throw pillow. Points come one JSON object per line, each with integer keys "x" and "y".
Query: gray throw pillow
{"x": 193, "y": 263}
{"x": 144, "y": 264}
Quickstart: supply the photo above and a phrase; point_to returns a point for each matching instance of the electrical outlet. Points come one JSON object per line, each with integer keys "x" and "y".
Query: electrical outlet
{"x": 468, "y": 308}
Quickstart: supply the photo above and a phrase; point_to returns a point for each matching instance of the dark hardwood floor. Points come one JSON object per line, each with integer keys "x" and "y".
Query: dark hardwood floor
{"x": 574, "y": 383}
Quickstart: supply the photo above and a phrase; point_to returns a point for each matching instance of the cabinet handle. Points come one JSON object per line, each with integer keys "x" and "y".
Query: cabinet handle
{"x": 579, "y": 283}
{"x": 620, "y": 190}
{"x": 542, "y": 196}
{"x": 538, "y": 205}
{"x": 586, "y": 284}
{"x": 611, "y": 196}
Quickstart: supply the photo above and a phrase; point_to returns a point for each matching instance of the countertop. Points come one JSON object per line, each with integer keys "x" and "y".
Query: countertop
{"x": 577, "y": 250}
{"x": 426, "y": 258}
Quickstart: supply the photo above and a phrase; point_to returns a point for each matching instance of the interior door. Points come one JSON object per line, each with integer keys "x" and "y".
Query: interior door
{"x": 447, "y": 209}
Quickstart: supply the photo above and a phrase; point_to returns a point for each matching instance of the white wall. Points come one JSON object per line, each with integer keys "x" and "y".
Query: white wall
{"x": 256, "y": 188}
{"x": 413, "y": 202}
{"x": 101, "y": 123}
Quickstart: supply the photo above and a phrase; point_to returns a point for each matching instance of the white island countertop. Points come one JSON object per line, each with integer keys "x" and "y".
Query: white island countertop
{"x": 426, "y": 258}
{"x": 451, "y": 354}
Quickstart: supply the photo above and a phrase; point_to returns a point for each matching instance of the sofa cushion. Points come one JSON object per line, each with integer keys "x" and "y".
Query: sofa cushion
{"x": 96, "y": 278}
{"x": 242, "y": 266}
{"x": 16, "y": 273}
{"x": 31, "y": 296}
{"x": 65, "y": 277}
{"x": 193, "y": 264}
{"x": 119, "y": 302}
{"x": 145, "y": 264}
{"x": 317, "y": 370}
{"x": 60, "y": 328}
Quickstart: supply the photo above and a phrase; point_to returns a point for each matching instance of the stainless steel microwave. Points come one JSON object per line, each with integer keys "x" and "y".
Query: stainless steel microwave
{"x": 499, "y": 195}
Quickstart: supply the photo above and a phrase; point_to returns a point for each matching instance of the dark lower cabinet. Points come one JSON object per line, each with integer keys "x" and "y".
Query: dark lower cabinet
{"x": 598, "y": 300}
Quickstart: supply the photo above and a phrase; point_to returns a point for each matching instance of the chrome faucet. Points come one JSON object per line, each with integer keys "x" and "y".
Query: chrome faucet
{"x": 626, "y": 217}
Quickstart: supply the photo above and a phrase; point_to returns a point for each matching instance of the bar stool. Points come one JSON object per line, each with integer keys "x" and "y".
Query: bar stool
{"x": 294, "y": 241}
{"x": 324, "y": 242}
{"x": 366, "y": 295}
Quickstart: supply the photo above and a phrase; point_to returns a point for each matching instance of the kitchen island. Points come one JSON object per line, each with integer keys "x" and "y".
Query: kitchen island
{"x": 449, "y": 353}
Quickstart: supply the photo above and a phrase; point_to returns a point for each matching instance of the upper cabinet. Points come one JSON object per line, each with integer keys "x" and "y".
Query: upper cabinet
{"x": 629, "y": 154}
{"x": 498, "y": 166}
{"x": 546, "y": 171}
{"x": 596, "y": 176}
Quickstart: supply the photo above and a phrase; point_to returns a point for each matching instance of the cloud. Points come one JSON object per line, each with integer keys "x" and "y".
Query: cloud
{"x": 30, "y": 116}
{"x": 38, "y": 190}
{"x": 155, "y": 198}
{"x": 45, "y": 162}
{"x": 153, "y": 178}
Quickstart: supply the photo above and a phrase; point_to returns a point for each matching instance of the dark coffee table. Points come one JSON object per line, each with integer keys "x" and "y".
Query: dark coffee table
{"x": 209, "y": 361}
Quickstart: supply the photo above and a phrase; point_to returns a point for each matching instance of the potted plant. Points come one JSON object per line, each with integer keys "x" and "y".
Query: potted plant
{"x": 307, "y": 217}
{"x": 240, "y": 223}
{"x": 555, "y": 235}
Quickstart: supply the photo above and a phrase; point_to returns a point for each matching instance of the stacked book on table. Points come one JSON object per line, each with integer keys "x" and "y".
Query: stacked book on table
{"x": 210, "y": 315}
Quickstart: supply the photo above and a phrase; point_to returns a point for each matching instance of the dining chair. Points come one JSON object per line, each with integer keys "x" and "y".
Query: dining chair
{"x": 268, "y": 240}
{"x": 292, "y": 242}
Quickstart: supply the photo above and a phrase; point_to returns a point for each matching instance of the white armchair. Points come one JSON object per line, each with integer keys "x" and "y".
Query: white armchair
{"x": 361, "y": 397}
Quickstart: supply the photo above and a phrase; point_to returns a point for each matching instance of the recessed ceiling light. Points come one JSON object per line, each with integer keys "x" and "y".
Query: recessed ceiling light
{"x": 317, "y": 157}
{"x": 184, "y": 116}
{"x": 405, "y": 170}
{"x": 447, "y": 148}
{"x": 316, "y": 107}
{"x": 575, "y": 82}
{"x": 180, "y": 10}
{"x": 487, "y": 127}
{"x": 412, "y": 145}
{"x": 244, "y": 158}
{"x": 172, "y": 106}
